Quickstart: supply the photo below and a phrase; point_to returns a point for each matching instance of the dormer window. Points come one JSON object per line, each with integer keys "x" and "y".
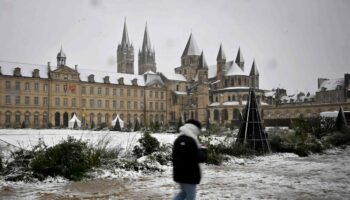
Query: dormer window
{"x": 36, "y": 73}
{"x": 134, "y": 81}
{"x": 91, "y": 78}
{"x": 17, "y": 72}
{"x": 106, "y": 79}
{"x": 65, "y": 77}
{"x": 339, "y": 87}
{"x": 323, "y": 89}
{"x": 121, "y": 81}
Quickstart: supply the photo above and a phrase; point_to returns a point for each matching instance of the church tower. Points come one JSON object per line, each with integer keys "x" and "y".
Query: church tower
{"x": 125, "y": 54}
{"x": 189, "y": 60}
{"x": 61, "y": 58}
{"x": 220, "y": 63}
{"x": 147, "y": 60}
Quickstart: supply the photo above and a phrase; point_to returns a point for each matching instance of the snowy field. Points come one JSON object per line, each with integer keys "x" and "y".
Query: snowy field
{"x": 276, "y": 176}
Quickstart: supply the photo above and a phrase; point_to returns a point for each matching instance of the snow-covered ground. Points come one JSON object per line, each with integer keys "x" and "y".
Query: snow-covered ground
{"x": 276, "y": 176}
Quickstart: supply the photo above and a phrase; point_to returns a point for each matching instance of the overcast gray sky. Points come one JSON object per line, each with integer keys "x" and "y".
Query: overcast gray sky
{"x": 293, "y": 42}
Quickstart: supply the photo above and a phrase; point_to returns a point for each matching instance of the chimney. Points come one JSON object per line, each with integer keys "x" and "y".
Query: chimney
{"x": 76, "y": 67}
{"x": 49, "y": 66}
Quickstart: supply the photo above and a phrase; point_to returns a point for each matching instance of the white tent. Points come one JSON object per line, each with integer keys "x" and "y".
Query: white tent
{"x": 121, "y": 122}
{"x": 73, "y": 120}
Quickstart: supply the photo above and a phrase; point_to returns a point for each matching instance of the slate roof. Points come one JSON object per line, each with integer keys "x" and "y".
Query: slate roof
{"x": 191, "y": 47}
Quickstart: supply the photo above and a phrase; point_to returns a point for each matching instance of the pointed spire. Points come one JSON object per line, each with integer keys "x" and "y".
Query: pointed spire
{"x": 254, "y": 71}
{"x": 61, "y": 54}
{"x": 239, "y": 58}
{"x": 202, "y": 62}
{"x": 146, "y": 45}
{"x": 191, "y": 47}
{"x": 221, "y": 54}
{"x": 125, "y": 38}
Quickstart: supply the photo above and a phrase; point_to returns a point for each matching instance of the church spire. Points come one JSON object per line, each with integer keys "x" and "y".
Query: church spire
{"x": 221, "y": 54}
{"x": 202, "y": 62}
{"x": 191, "y": 47}
{"x": 254, "y": 71}
{"x": 146, "y": 45}
{"x": 239, "y": 59}
{"x": 125, "y": 38}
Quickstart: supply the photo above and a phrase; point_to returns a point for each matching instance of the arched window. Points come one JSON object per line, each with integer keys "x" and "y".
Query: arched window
{"x": 44, "y": 119}
{"x": 26, "y": 118}
{"x": 233, "y": 98}
{"x": 8, "y": 117}
{"x": 236, "y": 114}
{"x": 224, "y": 114}
{"x": 18, "y": 118}
{"x": 107, "y": 118}
{"x": 99, "y": 118}
{"x": 36, "y": 120}
{"x": 229, "y": 98}
{"x": 57, "y": 119}
{"x": 216, "y": 115}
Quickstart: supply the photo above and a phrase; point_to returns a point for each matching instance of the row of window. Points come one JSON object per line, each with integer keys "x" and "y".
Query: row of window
{"x": 27, "y": 86}
{"x": 72, "y": 88}
{"x": 19, "y": 99}
{"x": 19, "y": 118}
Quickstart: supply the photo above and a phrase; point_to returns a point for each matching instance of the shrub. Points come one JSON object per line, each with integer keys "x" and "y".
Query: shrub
{"x": 70, "y": 159}
{"x": 148, "y": 144}
{"x": 18, "y": 169}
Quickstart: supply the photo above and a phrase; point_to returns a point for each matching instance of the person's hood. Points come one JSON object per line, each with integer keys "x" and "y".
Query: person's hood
{"x": 192, "y": 131}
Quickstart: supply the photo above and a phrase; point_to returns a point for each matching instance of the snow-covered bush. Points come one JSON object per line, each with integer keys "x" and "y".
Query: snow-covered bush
{"x": 71, "y": 159}
{"x": 148, "y": 145}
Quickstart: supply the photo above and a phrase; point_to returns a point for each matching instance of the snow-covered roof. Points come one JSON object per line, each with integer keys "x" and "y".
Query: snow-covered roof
{"x": 270, "y": 94}
{"x": 7, "y": 68}
{"x": 231, "y": 69}
{"x": 180, "y": 93}
{"x": 215, "y": 104}
{"x": 152, "y": 78}
{"x": 174, "y": 76}
{"x": 231, "y": 103}
{"x": 332, "y": 114}
{"x": 113, "y": 77}
{"x": 234, "y": 88}
{"x": 331, "y": 84}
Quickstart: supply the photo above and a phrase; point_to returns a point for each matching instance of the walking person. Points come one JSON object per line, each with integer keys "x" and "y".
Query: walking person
{"x": 187, "y": 154}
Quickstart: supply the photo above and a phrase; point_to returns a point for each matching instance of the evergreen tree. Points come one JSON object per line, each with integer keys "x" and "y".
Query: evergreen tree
{"x": 75, "y": 126}
{"x": 92, "y": 125}
{"x": 137, "y": 125}
{"x": 23, "y": 124}
{"x": 117, "y": 125}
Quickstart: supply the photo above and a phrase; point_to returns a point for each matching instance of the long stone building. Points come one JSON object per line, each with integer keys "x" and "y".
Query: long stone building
{"x": 40, "y": 96}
